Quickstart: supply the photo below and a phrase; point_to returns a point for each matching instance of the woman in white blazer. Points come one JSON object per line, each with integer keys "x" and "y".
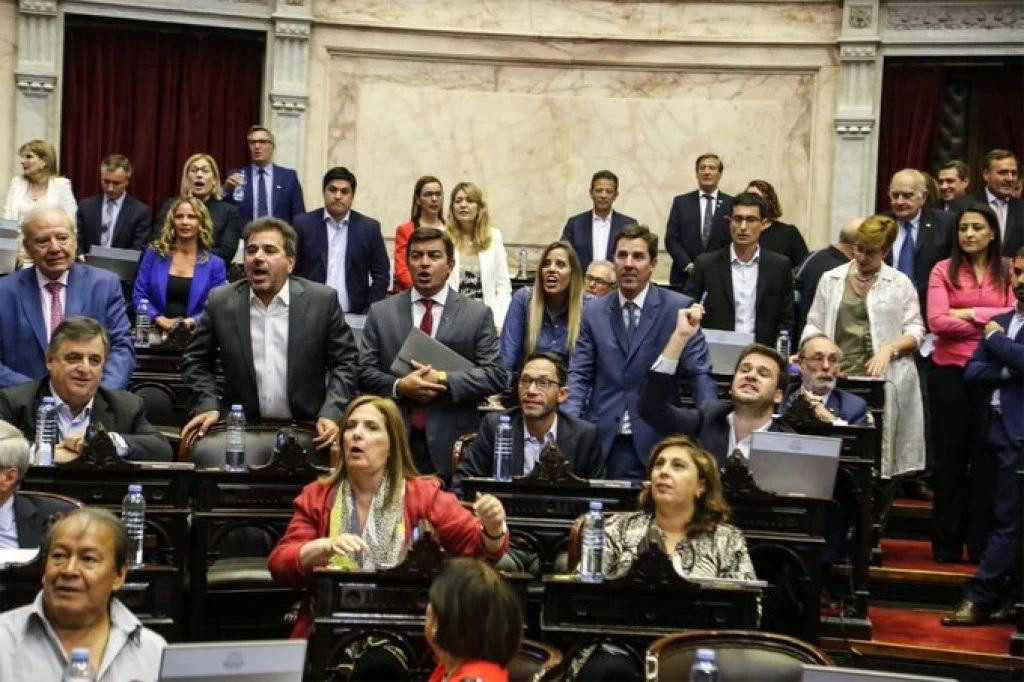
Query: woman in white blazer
{"x": 892, "y": 331}
{"x": 481, "y": 264}
{"x": 38, "y": 184}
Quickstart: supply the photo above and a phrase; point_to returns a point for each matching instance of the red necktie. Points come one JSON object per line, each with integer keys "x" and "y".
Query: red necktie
{"x": 56, "y": 309}
{"x": 418, "y": 418}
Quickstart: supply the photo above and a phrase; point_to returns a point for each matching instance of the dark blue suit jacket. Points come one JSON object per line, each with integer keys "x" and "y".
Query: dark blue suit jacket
{"x": 682, "y": 233}
{"x": 579, "y": 232}
{"x": 998, "y": 362}
{"x": 91, "y": 292}
{"x": 366, "y": 258}
{"x": 285, "y": 200}
{"x": 850, "y": 408}
{"x": 130, "y": 230}
{"x": 610, "y": 370}
{"x": 151, "y": 282}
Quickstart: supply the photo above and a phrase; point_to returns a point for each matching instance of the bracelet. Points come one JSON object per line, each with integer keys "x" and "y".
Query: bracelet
{"x": 487, "y": 535}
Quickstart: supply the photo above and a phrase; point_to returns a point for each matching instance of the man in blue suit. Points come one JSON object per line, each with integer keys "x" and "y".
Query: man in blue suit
{"x": 343, "y": 248}
{"x": 699, "y": 220}
{"x": 35, "y": 300}
{"x": 269, "y": 189}
{"x": 593, "y": 233}
{"x": 620, "y": 336}
{"x": 819, "y": 372}
{"x": 998, "y": 362}
{"x": 113, "y": 217}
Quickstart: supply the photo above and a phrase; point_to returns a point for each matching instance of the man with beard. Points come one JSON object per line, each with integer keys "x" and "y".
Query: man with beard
{"x": 819, "y": 371}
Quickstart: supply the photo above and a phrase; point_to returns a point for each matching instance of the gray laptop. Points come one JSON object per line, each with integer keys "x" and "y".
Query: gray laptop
{"x": 271, "y": 660}
{"x": 8, "y": 255}
{"x": 724, "y": 348}
{"x": 122, "y": 262}
{"x": 794, "y": 464}
{"x": 820, "y": 673}
{"x": 10, "y": 232}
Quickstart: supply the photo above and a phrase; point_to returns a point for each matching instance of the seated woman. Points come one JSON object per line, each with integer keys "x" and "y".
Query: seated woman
{"x": 38, "y": 184}
{"x": 200, "y": 178}
{"x": 778, "y": 236}
{"x": 178, "y": 271}
{"x": 545, "y": 317}
{"x": 427, "y": 211}
{"x": 362, "y": 514}
{"x": 474, "y": 623}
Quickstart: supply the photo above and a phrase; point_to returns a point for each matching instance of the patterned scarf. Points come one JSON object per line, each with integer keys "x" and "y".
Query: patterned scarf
{"x": 384, "y": 532}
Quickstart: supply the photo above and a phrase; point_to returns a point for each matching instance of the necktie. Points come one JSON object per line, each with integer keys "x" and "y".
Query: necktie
{"x": 905, "y": 263}
{"x": 1000, "y": 208}
{"x": 709, "y": 211}
{"x": 56, "y": 309}
{"x": 108, "y": 222}
{"x": 418, "y": 418}
{"x": 261, "y": 194}
{"x": 630, "y": 321}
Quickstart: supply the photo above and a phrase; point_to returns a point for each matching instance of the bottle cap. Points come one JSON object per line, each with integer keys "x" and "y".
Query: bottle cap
{"x": 596, "y": 506}
{"x": 134, "y": 488}
{"x": 236, "y": 407}
{"x": 49, "y": 400}
{"x": 80, "y": 654}
{"x": 505, "y": 419}
{"x": 706, "y": 655}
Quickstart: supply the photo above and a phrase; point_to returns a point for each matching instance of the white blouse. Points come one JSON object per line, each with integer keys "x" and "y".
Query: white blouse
{"x": 18, "y": 203}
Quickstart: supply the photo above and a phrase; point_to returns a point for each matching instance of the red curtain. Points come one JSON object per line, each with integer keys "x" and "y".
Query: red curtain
{"x": 156, "y": 94}
{"x": 997, "y": 96}
{"x": 911, "y": 95}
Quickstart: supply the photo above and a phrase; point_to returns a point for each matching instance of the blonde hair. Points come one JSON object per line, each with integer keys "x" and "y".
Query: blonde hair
{"x": 574, "y": 302}
{"x": 186, "y": 186}
{"x": 482, "y": 228}
{"x": 877, "y": 231}
{"x": 168, "y": 237}
{"x": 46, "y": 153}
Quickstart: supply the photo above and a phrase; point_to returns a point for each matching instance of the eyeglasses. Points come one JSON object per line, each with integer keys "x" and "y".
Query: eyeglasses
{"x": 542, "y": 383}
{"x": 820, "y": 358}
{"x": 745, "y": 219}
{"x": 590, "y": 279}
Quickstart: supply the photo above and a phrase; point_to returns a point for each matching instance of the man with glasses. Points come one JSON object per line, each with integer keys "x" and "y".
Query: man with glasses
{"x": 819, "y": 372}
{"x": 537, "y": 420}
{"x": 113, "y": 217}
{"x": 269, "y": 189}
{"x": 599, "y": 280}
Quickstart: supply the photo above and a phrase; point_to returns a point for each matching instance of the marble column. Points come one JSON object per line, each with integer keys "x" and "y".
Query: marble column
{"x": 40, "y": 40}
{"x": 289, "y": 77}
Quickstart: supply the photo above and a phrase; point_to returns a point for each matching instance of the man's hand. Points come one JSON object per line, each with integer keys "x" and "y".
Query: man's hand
{"x": 233, "y": 180}
{"x": 74, "y": 443}
{"x": 688, "y": 322}
{"x": 993, "y": 327}
{"x": 327, "y": 431}
{"x": 61, "y": 454}
{"x": 199, "y": 425}
{"x": 689, "y": 268}
{"x": 420, "y": 384}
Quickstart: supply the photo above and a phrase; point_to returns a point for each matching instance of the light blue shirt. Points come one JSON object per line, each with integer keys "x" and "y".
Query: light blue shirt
{"x": 337, "y": 249}
{"x": 532, "y": 446}
{"x": 901, "y": 235}
{"x": 269, "y": 180}
{"x": 8, "y": 525}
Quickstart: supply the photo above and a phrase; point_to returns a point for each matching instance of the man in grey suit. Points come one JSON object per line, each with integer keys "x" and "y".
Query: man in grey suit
{"x": 439, "y": 406}
{"x": 286, "y": 350}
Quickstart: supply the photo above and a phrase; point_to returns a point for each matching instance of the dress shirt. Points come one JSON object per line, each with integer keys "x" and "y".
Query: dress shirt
{"x": 1000, "y": 207}
{"x": 626, "y": 426}
{"x": 1016, "y": 322}
{"x": 44, "y": 296}
{"x": 269, "y": 179}
{"x": 418, "y": 309}
{"x": 268, "y": 327}
{"x": 107, "y": 238}
{"x": 744, "y": 289}
{"x": 8, "y": 525}
{"x": 70, "y": 424}
{"x": 703, "y": 203}
{"x": 553, "y": 336}
{"x": 901, "y": 235}
{"x": 602, "y": 230}
{"x": 956, "y": 339}
{"x": 744, "y": 445}
{"x": 337, "y": 248}
{"x": 532, "y": 446}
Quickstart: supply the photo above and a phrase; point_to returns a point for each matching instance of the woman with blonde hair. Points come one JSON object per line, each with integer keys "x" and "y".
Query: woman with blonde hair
{"x": 39, "y": 183}
{"x": 481, "y": 264}
{"x": 200, "y": 178}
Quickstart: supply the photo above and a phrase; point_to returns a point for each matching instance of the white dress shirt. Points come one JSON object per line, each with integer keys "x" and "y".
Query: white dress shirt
{"x": 532, "y": 447}
{"x": 269, "y": 180}
{"x": 703, "y": 203}
{"x": 418, "y": 310}
{"x": 8, "y": 526}
{"x": 744, "y": 445}
{"x": 626, "y": 426}
{"x": 901, "y": 235}
{"x": 744, "y": 289}
{"x": 337, "y": 249}
{"x": 268, "y": 327}
{"x": 107, "y": 238}
{"x": 45, "y": 298}
{"x": 602, "y": 230}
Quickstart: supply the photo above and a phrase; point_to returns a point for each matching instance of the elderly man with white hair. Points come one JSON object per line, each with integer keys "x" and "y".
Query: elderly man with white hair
{"x": 22, "y": 519}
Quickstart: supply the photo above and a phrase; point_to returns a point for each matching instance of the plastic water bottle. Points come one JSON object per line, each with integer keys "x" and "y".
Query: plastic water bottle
{"x": 783, "y": 346}
{"x": 503, "y": 449}
{"x": 239, "y": 192}
{"x": 142, "y": 324}
{"x": 46, "y": 431}
{"x": 704, "y": 667}
{"x": 133, "y": 516}
{"x": 78, "y": 669}
{"x": 234, "y": 453}
{"x": 593, "y": 544}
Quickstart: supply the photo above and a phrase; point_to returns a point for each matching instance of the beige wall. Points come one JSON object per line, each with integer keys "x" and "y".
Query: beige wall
{"x": 8, "y": 64}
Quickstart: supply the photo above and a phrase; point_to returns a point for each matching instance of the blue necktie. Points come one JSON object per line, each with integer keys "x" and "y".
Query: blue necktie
{"x": 630, "y": 321}
{"x": 261, "y": 194}
{"x": 905, "y": 263}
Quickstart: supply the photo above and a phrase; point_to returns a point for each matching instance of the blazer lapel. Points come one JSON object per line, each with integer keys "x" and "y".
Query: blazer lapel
{"x": 200, "y": 277}
{"x": 101, "y": 413}
{"x": 518, "y": 446}
{"x": 648, "y": 315}
{"x": 32, "y": 304}
{"x": 25, "y": 520}
{"x": 297, "y": 311}
{"x": 242, "y": 328}
{"x": 586, "y": 236}
{"x": 761, "y": 287}
{"x": 618, "y": 328}
{"x": 449, "y": 313}
{"x": 726, "y": 274}
{"x": 74, "y": 294}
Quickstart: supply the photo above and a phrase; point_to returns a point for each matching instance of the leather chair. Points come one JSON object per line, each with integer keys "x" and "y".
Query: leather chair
{"x": 535, "y": 662}
{"x": 741, "y": 655}
{"x": 260, "y": 440}
{"x": 459, "y": 448}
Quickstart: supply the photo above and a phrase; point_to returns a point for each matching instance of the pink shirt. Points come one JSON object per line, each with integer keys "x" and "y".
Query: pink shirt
{"x": 956, "y": 339}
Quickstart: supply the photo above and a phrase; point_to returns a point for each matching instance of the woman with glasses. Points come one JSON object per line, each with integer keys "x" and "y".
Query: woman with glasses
{"x": 427, "y": 211}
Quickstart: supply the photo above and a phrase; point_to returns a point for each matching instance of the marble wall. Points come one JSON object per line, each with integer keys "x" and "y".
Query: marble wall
{"x": 8, "y": 63}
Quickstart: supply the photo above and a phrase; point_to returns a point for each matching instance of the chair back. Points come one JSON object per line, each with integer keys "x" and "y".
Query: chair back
{"x": 207, "y": 452}
{"x": 575, "y": 546}
{"x": 740, "y": 655}
{"x": 535, "y": 662}
{"x": 63, "y": 503}
{"x": 462, "y": 443}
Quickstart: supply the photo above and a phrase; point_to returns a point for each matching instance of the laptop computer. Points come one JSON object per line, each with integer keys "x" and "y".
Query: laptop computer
{"x": 271, "y": 660}
{"x": 10, "y": 232}
{"x": 820, "y": 673}
{"x": 724, "y": 348}
{"x": 8, "y": 255}
{"x": 794, "y": 464}
{"x": 122, "y": 262}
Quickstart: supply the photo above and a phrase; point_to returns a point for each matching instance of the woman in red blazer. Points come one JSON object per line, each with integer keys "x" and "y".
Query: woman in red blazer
{"x": 361, "y": 516}
{"x": 427, "y": 211}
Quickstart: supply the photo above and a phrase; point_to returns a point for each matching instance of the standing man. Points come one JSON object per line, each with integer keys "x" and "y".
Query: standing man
{"x": 593, "y": 233}
{"x": 282, "y": 341}
{"x": 620, "y": 336}
{"x": 270, "y": 190}
{"x": 954, "y": 178}
{"x": 698, "y": 220}
{"x": 745, "y": 288}
{"x": 818, "y": 263}
{"x": 1001, "y": 176}
{"x": 113, "y": 217}
{"x": 343, "y": 248}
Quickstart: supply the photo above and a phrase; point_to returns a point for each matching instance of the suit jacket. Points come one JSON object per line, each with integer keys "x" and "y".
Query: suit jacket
{"x": 1013, "y": 238}
{"x": 31, "y": 518}
{"x": 773, "y": 305}
{"x": 466, "y": 327}
{"x": 322, "y": 353}
{"x": 998, "y": 362}
{"x": 285, "y": 200}
{"x": 934, "y": 242}
{"x": 151, "y": 282}
{"x": 577, "y": 439}
{"x": 579, "y": 232}
{"x": 682, "y": 233}
{"x": 366, "y": 258}
{"x": 850, "y": 408}
{"x": 708, "y": 423}
{"x": 131, "y": 230}
{"x": 609, "y": 369}
{"x": 120, "y": 412}
{"x": 91, "y": 292}
{"x": 227, "y": 226}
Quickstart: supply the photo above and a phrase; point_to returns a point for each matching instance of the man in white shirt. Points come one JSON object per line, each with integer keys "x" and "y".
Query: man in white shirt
{"x": 593, "y": 233}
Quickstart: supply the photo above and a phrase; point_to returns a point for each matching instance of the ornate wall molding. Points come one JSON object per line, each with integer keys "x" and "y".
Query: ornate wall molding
{"x": 860, "y": 16}
{"x": 854, "y": 128}
{"x": 36, "y": 85}
{"x": 38, "y": 7}
{"x": 289, "y": 104}
{"x": 955, "y": 18}
{"x": 858, "y": 52}
{"x": 298, "y": 30}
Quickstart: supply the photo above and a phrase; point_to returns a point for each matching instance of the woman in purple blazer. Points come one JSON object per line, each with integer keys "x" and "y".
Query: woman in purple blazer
{"x": 178, "y": 269}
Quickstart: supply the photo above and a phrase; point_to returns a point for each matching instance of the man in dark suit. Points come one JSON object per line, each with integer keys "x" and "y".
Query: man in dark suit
{"x": 343, "y": 248}
{"x": 817, "y": 263}
{"x": 743, "y": 287}
{"x": 699, "y": 220}
{"x": 819, "y": 372}
{"x": 998, "y": 363}
{"x": 74, "y": 363}
{"x": 269, "y": 189}
{"x": 35, "y": 300}
{"x": 1001, "y": 175}
{"x": 592, "y": 233}
{"x": 282, "y": 341}
{"x": 22, "y": 520}
{"x": 439, "y": 405}
{"x": 619, "y": 338}
{"x": 542, "y": 388}
{"x": 113, "y": 217}
{"x": 953, "y": 179}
